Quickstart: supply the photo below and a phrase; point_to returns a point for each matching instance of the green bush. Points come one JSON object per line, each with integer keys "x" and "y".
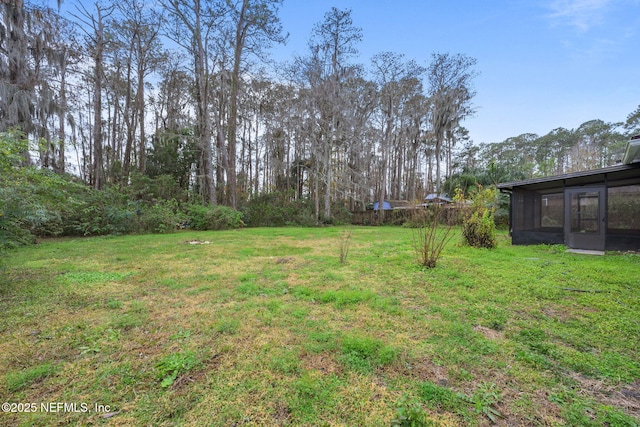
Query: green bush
{"x": 278, "y": 210}
{"x": 160, "y": 217}
{"x": 479, "y": 230}
{"x": 214, "y": 217}
{"x": 95, "y": 212}
{"x": 479, "y": 227}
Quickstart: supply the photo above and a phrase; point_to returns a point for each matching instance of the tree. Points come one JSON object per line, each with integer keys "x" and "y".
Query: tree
{"x": 16, "y": 89}
{"x": 197, "y": 19}
{"x": 398, "y": 82}
{"x": 256, "y": 26}
{"x": 327, "y": 69}
{"x": 140, "y": 30}
{"x": 450, "y": 89}
{"x": 632, "y": 124}
{"x": 94, "y": 29}
{"x": 32, "y": 53}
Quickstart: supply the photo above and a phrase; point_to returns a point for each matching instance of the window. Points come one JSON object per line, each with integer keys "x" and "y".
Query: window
{"x": 624, "y": 207}
{"x": 552, "y": 210}
{"x": 585, "y": 207}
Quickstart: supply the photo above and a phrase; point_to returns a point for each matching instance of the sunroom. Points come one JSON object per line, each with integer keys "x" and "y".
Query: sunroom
{"x": 592, "y": 210}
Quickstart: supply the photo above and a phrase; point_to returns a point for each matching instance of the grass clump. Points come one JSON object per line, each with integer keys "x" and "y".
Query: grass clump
{"x": 18, "y": 380}
{"x": 345, "y": 244}
{"x": 362, "y": 353}
{"x": 430, "y": 235}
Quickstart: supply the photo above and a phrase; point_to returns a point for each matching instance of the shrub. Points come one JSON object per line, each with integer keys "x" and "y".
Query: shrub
{"x": 278, "y": 210}
{"x": 430, "y": 235}
{"x": 214, "y": 217}
{"x": 479, "y": 228}
{"x": 160, "y": 217}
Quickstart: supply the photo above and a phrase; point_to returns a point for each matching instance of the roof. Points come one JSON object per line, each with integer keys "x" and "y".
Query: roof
{"x": 434, "y": 196}
{"x": 618, "y": 172}
{"x": 632, "y": 153}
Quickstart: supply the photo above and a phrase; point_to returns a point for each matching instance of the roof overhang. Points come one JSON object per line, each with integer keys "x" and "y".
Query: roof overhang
{"x": 632, "y": 153}
{"x": 592, "y": 177}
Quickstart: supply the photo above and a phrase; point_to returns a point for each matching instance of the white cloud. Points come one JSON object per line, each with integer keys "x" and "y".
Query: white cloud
{"x": 582, "y": 14}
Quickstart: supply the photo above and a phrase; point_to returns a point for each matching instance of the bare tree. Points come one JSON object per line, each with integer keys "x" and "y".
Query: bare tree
{"x": 398, "y": 81}
{"x": 94, "y": 29}
{"x": 140, "y": 30}
{"x": 256, "y": 26}
{"x": 198, "y": 19}
{"x": 450, "y": 80}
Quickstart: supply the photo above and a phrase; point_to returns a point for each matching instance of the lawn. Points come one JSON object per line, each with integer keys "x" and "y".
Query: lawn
{"x": 268, "y": 327}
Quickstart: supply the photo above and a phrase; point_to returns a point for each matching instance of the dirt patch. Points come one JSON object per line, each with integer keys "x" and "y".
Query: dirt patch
{"x": 490, "y": 334}
{"x": 425, "y": 370}
{"x": 281, "y": 414}
{"x": 558, "y": 315}
{"x": 194, "y": 376}
{"x": 625, "y": 397}
{"x": 322, "y": 362}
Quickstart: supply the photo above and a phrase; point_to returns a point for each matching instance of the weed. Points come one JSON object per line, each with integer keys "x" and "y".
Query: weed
{"x": 113, "y": 304}
{"x": 442, "y": 397}
{"x": 484, "y": 398}
{"x": 342, "y": 298}
{"x": 228, "y": 326}
{"x": 181, "y": 335}
{"x": 409, "y": 413}
{"x": 345, "y": 243}
{"x": 126, "y": 321}
{"x": 172, "y": 365}
{"x": 91, "y": 277}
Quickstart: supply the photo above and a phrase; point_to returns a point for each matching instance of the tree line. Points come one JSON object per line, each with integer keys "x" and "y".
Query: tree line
{"x": 183, "y": 93}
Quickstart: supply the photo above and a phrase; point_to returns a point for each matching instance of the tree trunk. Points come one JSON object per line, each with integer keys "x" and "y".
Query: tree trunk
{"x": 142, "y": 157}
{"x": 98, "y": 162}
{"x": 60, "y": 164}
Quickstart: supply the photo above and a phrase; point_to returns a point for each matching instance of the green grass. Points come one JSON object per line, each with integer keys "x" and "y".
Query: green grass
{"x": 269, "y": 327}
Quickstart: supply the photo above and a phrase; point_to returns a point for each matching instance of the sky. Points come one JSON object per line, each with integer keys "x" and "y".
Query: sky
{"x": 542, "y": 64}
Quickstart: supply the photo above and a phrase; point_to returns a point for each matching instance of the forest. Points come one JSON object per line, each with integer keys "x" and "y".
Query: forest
{"x": 124, "y": 116}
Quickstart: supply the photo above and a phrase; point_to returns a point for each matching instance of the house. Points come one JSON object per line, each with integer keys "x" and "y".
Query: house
{"x": 436, "y": 199}
{"x": 595, "y": 210}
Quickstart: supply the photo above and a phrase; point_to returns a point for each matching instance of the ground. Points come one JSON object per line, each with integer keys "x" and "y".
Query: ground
{"x": 268, "y": 327}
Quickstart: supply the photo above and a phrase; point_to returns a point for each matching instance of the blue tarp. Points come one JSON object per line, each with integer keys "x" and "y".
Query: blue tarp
{"x": 385, "y": 207}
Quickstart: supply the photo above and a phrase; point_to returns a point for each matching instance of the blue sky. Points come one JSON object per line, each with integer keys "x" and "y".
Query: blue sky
{"x": 543, "y": 63}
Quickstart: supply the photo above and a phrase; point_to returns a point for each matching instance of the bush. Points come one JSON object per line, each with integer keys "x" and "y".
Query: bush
{"x": 479, "y": 230}
{"x": 214, "y": 217}
{"x": 430, "y": 236}
{"x": 278, "y": 210}
{"x": 479, "y": 227}
{"x": 160, "y": 217}
{"x": 93, "y": 213}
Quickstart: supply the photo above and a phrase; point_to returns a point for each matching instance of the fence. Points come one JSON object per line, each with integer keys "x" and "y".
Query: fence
{"x": 450, "y": 214}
